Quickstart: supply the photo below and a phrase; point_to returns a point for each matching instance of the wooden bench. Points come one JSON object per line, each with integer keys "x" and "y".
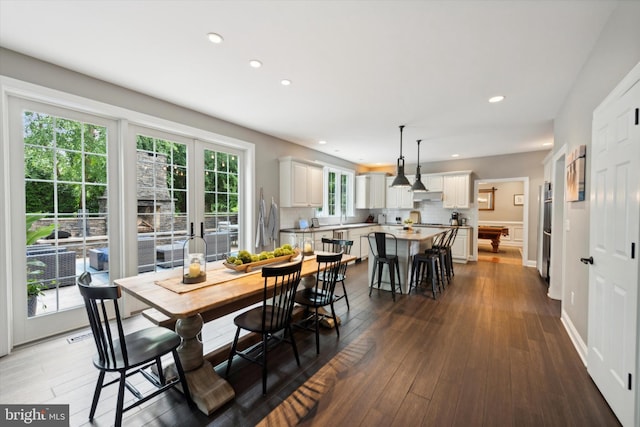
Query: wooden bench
{"x": 159, "y": 319}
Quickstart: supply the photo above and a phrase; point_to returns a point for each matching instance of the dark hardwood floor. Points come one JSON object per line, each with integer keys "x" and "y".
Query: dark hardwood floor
{"x": 491, "y": 351}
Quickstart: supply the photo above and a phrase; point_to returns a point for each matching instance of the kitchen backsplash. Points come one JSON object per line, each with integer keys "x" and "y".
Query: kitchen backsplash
{"x": 431, "y": 212}
{"x": 289, "y": 217}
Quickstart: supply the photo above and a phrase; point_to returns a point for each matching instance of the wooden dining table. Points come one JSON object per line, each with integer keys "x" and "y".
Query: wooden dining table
{"x": 223, "y": 292}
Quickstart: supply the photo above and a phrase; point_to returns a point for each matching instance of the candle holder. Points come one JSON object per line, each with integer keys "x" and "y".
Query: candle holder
{"x": 194, "y": 267}
{"x": 307, "y": 246}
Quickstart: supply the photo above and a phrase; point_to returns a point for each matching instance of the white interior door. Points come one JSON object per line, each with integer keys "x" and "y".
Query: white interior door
{"x": 614, "y": 234}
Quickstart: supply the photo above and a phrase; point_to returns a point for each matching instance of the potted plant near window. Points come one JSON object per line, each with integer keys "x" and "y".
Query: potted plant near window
{"x": 35, "y": 287}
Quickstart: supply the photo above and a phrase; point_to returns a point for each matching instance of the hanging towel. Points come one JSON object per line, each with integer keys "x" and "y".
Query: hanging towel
{"x": 272, "y": 225}
{"x": 260, "y": 232}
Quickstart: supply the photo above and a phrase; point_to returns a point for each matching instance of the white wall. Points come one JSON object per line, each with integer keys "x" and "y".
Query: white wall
{"x": 616, "y": 52}
{"x": 504, "y": 209}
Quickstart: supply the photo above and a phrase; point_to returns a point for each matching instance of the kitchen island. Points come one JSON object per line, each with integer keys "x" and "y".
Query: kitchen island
{"x": 409, "y": 243}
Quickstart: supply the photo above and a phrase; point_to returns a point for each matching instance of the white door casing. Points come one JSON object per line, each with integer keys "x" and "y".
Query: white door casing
{"x": 614, "y": 231}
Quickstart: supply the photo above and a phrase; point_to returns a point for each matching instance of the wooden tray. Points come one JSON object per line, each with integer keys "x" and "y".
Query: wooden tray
{"x": 250, "y": 266}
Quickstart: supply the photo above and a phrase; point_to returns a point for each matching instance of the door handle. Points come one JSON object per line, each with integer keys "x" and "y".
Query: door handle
{"x": 587, "y": 260}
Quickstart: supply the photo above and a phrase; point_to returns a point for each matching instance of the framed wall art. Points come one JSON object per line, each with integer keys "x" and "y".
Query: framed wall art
{"x": 575, "y": 180}
{"x": 485, "y": 199}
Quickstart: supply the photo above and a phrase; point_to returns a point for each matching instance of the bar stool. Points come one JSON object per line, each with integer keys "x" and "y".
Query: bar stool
{"x": 451, "y": 238}
{"x": 439, "y": 250}
{"x": 382, "y": 258}
{"x": 425, "y": 264}
{"x": 430, "y": 264}
{"x": 442, "y": 249}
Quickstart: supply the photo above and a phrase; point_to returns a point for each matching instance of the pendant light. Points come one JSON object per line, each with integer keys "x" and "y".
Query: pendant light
{"x": 401, "y": 180}
{"x": 418, "y": 186}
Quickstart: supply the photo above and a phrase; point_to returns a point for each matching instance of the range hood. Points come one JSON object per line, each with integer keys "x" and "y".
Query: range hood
{"x": 429, "y": 196}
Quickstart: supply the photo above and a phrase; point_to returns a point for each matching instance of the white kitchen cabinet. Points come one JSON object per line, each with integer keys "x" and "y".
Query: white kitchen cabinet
{"x": 432, "y": 182}
{"x": 399, "y": 197}
{"x": 300, "y": 183}
{"x": 461, "y": 247}
{"x": 319, "y": 235}
{"x": 360, "y": 246}
{"x": 371, "y": 191}
{"x": 455, "y": 189}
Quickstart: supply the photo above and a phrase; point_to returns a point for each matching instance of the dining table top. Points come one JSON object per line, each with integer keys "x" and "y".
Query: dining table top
{"x": 212, "y": 301}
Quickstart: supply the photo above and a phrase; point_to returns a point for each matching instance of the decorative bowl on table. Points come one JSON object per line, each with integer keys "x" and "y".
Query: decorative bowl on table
{"x": 245, "y": 261}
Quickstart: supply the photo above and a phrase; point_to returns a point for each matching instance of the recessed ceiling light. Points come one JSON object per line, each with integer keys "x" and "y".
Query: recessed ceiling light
{"x": 322, "y": 142}
{"x": 546, "y": 144}
{"x": 255, "y": 63}
{"x": 215, "y": 38}
{"x": 495, "y": 99}
{"x": 285, "y": 82}
{"x": 455, "y": 155}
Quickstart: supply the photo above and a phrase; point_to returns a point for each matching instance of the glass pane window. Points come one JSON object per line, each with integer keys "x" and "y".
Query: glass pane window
{"x": 221, "y": 203}
{"x": 65, "y": 178}
{"x": 339, "y": 193}
{"x": 162, "y": 201}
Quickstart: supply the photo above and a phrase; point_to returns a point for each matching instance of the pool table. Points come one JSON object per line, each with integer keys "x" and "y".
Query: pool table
{"x": 493, "y": 233}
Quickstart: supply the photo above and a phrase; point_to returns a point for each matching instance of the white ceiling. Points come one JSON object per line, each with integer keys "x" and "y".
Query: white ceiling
{"x": 359, "y": 68}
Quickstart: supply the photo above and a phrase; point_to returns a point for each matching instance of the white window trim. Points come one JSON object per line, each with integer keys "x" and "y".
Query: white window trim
{"x": 327, "y": 168}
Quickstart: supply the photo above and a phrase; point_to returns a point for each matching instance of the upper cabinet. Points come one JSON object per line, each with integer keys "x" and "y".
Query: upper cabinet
{"x": 432, "y": 182}
{"x": 455, "y": 188}
{"x": 399, "y": 197}
{"x": 300, "y": 183}
{"x": 371, "y": 191}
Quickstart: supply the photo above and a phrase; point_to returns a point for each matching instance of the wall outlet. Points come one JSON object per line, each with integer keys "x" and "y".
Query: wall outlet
{"x": 573, "y": 294}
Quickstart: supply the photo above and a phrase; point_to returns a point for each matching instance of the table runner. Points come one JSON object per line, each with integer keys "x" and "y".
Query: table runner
{"x": 214, "y": 277}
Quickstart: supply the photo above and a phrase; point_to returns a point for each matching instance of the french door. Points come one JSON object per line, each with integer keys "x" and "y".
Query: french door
{"x": 61, "y": 176}
{"x": 75, "y": 208}
{"x": 184, "y": 187}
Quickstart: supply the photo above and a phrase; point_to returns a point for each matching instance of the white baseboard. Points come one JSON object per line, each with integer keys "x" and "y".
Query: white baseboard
{"x": 576, "y": 339}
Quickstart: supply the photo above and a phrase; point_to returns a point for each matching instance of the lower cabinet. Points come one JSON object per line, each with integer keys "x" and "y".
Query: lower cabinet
{"x": 461, "y": 248}
{"x": 318, "y": 236}
{"x": 360, "y": 244}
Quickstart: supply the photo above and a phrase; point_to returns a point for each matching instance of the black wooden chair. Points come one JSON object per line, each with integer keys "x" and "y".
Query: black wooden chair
{"x": 344, "y": 246}
{"x": 127, "y": 354}
{"x": 322, "y": 293}
{"x": 382, "y": 256}
{"x": 273, "y": 316}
